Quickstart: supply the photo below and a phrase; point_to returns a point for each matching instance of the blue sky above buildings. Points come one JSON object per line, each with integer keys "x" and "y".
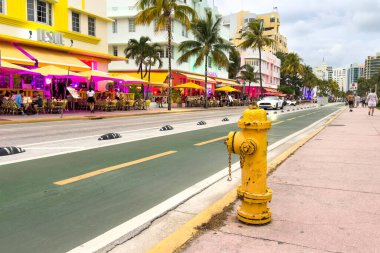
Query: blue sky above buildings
{"x": 341, "y": 31}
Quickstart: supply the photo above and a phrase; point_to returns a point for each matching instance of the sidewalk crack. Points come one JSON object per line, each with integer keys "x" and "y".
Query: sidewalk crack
{"x": 279, "y": 242}
{"x": 326, "y": 188}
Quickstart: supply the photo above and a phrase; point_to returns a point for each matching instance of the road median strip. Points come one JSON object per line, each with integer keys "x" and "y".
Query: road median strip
{"x": 112, "y": 168}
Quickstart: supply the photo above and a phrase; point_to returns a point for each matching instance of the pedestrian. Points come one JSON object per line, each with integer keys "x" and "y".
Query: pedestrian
{"x": 351, "y": 101}
{"x": 91, "y": 99}
{"x": 357, "y": 101}
{"x": 61, "y": 89}
{"x": 371, "y": 101}
{"x": 363, "y": 101}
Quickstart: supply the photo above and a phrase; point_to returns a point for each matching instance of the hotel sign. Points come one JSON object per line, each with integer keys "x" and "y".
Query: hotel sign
{"x": 50, "y": 36}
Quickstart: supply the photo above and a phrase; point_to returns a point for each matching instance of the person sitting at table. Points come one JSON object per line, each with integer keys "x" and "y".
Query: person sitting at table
{"x": 36, "y": 101}
{"x": 103, "y": 96}
{"x": 19, "y": 102}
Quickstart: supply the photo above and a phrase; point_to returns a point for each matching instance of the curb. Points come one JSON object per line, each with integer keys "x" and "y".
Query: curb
{"x": 105, "y": 116}
{"x": 178, "y": 238}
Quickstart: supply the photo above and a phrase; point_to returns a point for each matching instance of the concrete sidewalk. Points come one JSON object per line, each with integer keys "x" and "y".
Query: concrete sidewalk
{"x": 326, "y": 197}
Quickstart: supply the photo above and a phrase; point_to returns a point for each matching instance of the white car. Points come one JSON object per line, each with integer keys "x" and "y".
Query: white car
{"x": 291, "y": 102}
{"x": 271, "y": 102}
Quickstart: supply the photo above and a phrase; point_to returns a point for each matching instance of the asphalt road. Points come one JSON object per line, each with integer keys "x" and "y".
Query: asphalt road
{"x": 37, "y": 215}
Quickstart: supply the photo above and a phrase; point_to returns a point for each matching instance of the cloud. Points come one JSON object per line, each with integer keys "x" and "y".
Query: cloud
{"x": 341, "y": 31}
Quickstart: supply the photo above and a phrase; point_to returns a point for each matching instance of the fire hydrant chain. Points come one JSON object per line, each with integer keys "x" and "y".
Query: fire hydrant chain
{"x": 229, "y": 168}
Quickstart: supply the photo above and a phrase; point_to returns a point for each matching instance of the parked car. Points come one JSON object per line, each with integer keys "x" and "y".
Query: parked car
{"x": 291, "y": 102}
{"x": 271, "y": 102}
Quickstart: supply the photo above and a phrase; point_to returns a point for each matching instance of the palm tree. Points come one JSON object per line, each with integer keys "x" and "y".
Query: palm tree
{"x": 138, "y": 50}
{"x": 207, "y": 46}
{"x": 164, "y": 12}
{"x": 235, "y": 63}
{"x": 254, "y": 38}
{"x": 248, "y": 74}
{"x": 292, "y": 65}
{"x": 153, "y": 57}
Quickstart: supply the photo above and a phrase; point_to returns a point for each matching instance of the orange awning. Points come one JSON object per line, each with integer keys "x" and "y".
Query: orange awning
{"x": 47, "y": 57}
{"x": 11, "y": 54}
{"x": 197, "y": 77}
{"x": 270, "y": 90}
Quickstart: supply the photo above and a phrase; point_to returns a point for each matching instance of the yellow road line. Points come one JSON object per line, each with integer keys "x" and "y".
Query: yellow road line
{"x": 210, "y": 141}
{"x": 277, "y": 123}
{"x": 112, "y": 168}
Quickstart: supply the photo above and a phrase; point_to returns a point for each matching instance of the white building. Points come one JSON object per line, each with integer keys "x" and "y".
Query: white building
{"x": 340, "y": 76}
{"x": 123, "y": 29}
{"x": 323, "y": 72}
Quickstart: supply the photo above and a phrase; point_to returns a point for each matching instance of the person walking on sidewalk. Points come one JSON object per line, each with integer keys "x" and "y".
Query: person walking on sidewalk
{"x": 91, "y": 99}
{"x": 357, "y": 101}
{"x": 351, "y": 101}
{"x": 371, "y": 102}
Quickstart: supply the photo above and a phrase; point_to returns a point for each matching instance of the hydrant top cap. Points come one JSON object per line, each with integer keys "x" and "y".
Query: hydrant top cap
{"x": 254, "y": 118}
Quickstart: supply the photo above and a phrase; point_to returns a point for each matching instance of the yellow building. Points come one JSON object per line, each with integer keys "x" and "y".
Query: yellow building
{"x": 64, "y": 33}
{"x": 271, "y": 23}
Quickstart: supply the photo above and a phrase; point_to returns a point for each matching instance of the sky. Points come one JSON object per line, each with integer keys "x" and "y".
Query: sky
{"x": 340, "y": 31}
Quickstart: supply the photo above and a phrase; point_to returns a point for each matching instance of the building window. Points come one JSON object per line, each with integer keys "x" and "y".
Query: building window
{"x": 161, "y": 53}
{"x": 272, "y": 19}
{"x": 39, "y": 11}
{"x": 185, "y": 33}
{"x": 114, "y": 26}
{"x": 132, "y": 25}
{"x": 167, "y": 52}
{"x": 2, "y": 7}
{"x": 91, "y": 26}
{"x": 115, "y": 51}
{"x": 75, "y": 20}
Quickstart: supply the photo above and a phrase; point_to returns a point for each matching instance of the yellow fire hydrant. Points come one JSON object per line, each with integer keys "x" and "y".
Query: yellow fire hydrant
{"x": 251, "y": 145}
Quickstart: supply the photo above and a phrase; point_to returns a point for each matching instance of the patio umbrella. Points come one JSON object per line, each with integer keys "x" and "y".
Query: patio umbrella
{"x": 227, "y": 89}
{"x": 56, "y": 71}
{"x": 189, "y": 85}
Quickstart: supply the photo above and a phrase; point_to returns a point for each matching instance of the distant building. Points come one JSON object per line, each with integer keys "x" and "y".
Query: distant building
{"x": 340, "y": 76}
{"x": 354, "y": 72}
{"x": 123, "y": 12}
{"x": 236, "y": 22}
{"x": 372, "y": 66}
{"x": 270, "y": 70}
{"x": 323, "y": 72}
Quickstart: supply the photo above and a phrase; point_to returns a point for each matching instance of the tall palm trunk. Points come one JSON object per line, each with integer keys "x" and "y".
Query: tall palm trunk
{"x": 141, "y": 75}
{"x": 249, "y": 90}
{"x": 205, "y": 95}
{"x": 149, "y": 71}
{"x": 169, "y": 27}
{"x": 261, "y": 79}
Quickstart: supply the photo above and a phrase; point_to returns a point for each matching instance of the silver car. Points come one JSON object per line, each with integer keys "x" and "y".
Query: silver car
{"x": 271, "y": 102}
